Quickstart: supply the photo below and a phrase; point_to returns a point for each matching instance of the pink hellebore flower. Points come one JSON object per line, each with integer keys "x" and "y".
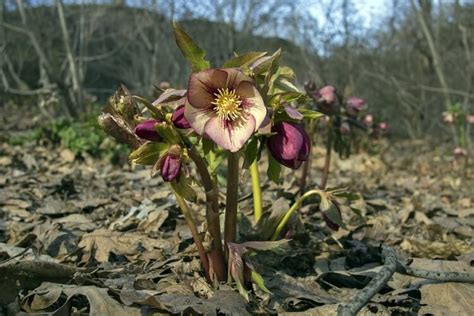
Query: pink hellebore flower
{"x": 327, "y": 94}
{"x": 368, "y": 120}
{"x": 383, "y": 126}
{"x": 146, "y": 130}
{"x": 178, "y": 118}
{"x": 354, "y": 105}
{"x": 459, "y": 152}
{"x": 290, "y": 146}
{"x": 470, "y": 118}
{"x": 225, "y": 106}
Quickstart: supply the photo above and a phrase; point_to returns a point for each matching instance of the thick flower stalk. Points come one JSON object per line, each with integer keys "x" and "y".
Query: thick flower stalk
{"x": 290, "y": 145}
{"x": 225, "y": 106}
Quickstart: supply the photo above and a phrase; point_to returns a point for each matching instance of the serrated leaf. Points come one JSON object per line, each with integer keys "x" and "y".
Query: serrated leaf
{"x": 148, "y": 153}
{"x": 243, "y": 60}
{"x": 193, "y": 53}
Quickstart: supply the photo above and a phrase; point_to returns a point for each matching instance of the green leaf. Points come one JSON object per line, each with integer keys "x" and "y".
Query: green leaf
{"x": 258, "y": 280}
{"x": 148, "y": 153}
{"x": 265, "y": 62}
{"x": 243, "y": 60}
{"x": 310, "y": 114}
{"x": 251, "y": 152}
{"x": 193, "y": 53}
{"x": 274, "y": 169}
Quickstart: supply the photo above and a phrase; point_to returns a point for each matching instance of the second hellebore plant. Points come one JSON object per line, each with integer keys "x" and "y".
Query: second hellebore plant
{"x": 240, "y": 111}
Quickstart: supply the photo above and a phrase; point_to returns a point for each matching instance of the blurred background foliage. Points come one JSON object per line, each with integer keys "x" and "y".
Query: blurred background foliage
{"x": 64, "y": 58}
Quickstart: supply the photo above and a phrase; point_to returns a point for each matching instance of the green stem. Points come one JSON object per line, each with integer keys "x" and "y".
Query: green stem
{"x": 307, "y": 164}
{"x": 327, "y": 161}
{"x": 212, "y": 215}
{"x": 232, "y": 196}
{"x": 256, "y": 191}
{"x": 194, "y": 232}
{"x": 290, "y": 212}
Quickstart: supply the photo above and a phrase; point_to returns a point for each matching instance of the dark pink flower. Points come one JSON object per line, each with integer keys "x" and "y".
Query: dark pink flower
{"x": 147, "y": 130}
{"x": 327, "y": 94}
{"x": 178, "y": 118}
{"x": 354, "y": 105}
{"x": 225, "y": 106}
{"x": 290, "y": 146}
{"x": 171, "y": 167}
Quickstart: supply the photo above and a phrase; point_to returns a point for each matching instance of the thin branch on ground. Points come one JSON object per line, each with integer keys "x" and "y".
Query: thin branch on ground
{"x": 374, "y": 286}
{"x": 445, "y": 276}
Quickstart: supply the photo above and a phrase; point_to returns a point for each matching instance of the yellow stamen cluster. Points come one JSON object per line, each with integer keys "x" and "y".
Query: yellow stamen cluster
{"x": 227, "y": 104}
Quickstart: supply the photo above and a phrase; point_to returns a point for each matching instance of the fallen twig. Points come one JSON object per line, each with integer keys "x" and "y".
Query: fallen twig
{"x": 364, "y": 296}
{"x": 445, "y": 276}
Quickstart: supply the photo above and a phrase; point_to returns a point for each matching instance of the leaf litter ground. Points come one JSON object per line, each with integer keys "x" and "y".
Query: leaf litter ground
{"x": 79, "y": 235}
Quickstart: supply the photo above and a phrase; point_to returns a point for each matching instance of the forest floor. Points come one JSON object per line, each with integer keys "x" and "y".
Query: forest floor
{"x": 81, "y": 235}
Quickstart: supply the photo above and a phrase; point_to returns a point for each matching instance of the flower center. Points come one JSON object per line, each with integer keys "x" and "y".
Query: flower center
{"x": 227, "y": 104}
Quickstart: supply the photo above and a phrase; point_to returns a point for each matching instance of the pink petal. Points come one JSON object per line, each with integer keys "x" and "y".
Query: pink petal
{"x": 197, "y": 118}
{"x": 202, "y": 86}
{"x": 252, "y": 101}
{"x": 230, "y": 135}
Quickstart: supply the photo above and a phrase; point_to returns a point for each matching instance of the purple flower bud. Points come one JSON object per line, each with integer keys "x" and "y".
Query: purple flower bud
{"x": 354, "y": 105}
{"x": 178, "y": 118}
{"x": 171, "y": 167}
{"x": 146, "y": 130}
{"x": 290, "y": 146}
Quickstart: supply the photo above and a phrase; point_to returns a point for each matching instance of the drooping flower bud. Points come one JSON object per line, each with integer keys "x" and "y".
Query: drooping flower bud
{"x": 290, "y": 146}
{"x": 329, "y": 222}
{"x": 448, "y": 117}
{"x": 171, "y": 167}
{"x": 368, "y": 120}
{"x": 354, "y": 105}
{"x": 178, "y": 118}
{"x": 470, "y": 118}
{"x": 146, "y": 130}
